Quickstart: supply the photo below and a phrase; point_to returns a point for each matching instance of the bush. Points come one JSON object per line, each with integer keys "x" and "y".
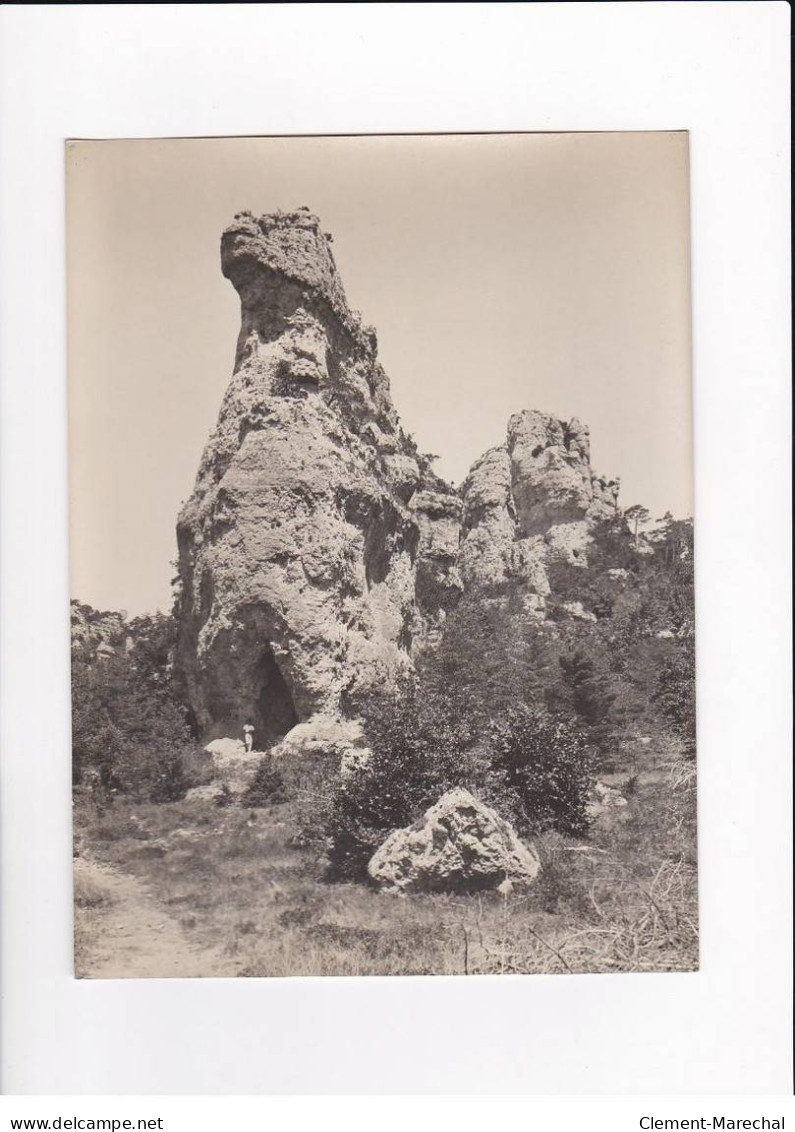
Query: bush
{"x": 312, "y": 782}
{"x": 267, "y": 788}
{"x": 147, "y": 761}
{"x": 168, "y": 782}
{"x": 585, "y": 692}
{"x": 542, "y": 768}
{"x": 421, "y": 746}
{"x": 92, "y": 891}
{"x": 129, "y": 730}
{"x": 675, "y": 693}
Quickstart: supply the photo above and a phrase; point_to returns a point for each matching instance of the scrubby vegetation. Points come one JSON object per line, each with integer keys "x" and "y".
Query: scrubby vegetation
{"x": 531, "y": 766}
{"x": 526, "y": 714}
{"x": 236, "y": 881}
{"x": 268, "y": 787}
{"x": 130, "y": 733}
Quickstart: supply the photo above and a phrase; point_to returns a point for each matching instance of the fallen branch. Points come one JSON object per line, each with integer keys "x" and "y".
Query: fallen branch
{"x": 549, "y": 947}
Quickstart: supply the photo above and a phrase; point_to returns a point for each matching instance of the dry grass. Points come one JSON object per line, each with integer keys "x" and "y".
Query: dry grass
{"x": 632, "y": 928}
{"x": 93, "y": 895}
{"x": 90, "y": 891}
{"x": 624, "y": 900}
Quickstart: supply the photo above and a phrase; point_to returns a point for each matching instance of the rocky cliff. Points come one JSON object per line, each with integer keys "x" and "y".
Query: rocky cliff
{"x": 318, "y": 552}
{"x": 98, "y": 634}
{"x": 530, "y": 502}
{"x": 312, "y": 516}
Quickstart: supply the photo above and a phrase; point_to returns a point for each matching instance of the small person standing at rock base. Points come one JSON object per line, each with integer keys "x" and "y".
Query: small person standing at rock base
{"x": 248, "y": 736}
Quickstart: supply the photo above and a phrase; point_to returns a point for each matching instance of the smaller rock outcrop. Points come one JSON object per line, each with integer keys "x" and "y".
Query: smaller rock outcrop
{"x": 233, "y": 766}
{"x": 458, "y": 845}
{"x": 576, "y": 610}
{"x": 604, "y": 797}
{"x": 101, "y": 635}
{"x": 321, "y": 736}
{"x": 530, "y": 503}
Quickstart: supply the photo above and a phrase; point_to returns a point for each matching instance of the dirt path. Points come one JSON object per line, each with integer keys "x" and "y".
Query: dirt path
{"x": 120, "y": 933}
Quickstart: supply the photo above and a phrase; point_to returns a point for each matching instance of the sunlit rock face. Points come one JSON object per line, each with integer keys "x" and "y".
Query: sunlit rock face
{"x": 458, "y": 845}
{"x": 318, "y": 553}
{"x": 530, "y": 502}
{"x": 300, "y": 547}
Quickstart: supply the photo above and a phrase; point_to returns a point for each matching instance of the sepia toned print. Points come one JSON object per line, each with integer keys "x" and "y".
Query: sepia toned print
{"x": 382, "y": 674}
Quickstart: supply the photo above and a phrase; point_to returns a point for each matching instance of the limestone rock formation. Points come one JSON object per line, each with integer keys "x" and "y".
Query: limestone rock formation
{"x": 99, "y": 634}
{"x": 322, "y": 735}
{"x": 458, "y": 845}
{"x": 233, "y": 766}
{"x": 438, "y": 583}
{"x": 89, "y": 625}
{"x": 298, "y": 547}
{"x": 530, "y": 502}
{"x": 318, "y": 553}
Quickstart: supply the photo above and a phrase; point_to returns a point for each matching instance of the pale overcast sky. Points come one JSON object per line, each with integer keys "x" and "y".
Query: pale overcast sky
{"x": 501, "y": 272}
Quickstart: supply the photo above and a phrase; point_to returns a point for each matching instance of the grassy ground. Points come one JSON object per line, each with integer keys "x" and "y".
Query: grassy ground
{"x": 232, "y": 880}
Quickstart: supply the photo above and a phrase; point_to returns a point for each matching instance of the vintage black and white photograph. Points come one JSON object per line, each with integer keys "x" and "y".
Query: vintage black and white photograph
{"x": 382, "y": 619}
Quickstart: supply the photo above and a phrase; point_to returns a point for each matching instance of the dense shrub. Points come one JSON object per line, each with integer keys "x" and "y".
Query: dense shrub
{"x": 542, "y": 768}
{"x": 421, "y": 746}
{"x": 268, "y": 787}
{"x": 129, "y": 732}
{"x": 586, "y": 692}
{"x": 492, "y": 656}
{"x": 311, "y": 781}
{"x": 675, "y": 694}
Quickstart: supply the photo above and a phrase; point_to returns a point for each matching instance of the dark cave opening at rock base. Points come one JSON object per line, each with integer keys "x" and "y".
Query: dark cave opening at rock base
{"x": 275, "y": 709}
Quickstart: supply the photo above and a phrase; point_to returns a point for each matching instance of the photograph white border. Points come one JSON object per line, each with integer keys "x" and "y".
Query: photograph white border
{"x": 719, "y": 70}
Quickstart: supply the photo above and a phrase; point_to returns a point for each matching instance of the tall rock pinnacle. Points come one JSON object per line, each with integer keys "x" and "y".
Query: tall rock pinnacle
{"x": 300, "y": 544}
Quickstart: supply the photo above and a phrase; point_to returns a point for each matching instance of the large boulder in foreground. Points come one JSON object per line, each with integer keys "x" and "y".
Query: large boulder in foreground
{"x": 458, "y": 845}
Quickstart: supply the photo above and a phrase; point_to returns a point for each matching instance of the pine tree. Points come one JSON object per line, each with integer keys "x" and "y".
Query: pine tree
{"x": 589, "y": 694}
